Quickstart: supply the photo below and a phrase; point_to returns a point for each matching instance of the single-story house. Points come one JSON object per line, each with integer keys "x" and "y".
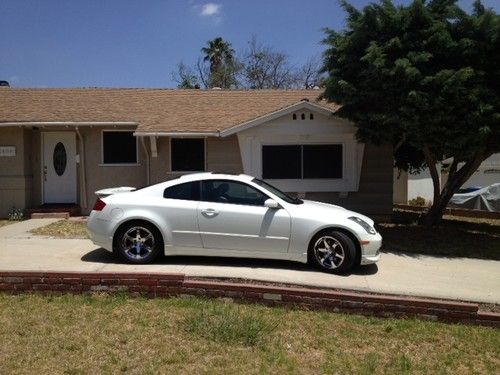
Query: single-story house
{"x": 61, "y": 145}
{"x": 409, "y": 186}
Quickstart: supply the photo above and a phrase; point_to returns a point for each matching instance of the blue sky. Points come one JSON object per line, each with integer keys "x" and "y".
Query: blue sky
{"x": 134, "y": 43}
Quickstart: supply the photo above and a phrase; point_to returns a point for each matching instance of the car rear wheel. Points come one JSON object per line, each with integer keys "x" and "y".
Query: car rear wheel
{"x": 332, "y": 251}
{"x": 138, "y": 242}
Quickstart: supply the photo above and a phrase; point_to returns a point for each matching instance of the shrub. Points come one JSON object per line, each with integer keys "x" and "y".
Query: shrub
{"x": 418, "y": 201}
{"x": 16, "y": 214}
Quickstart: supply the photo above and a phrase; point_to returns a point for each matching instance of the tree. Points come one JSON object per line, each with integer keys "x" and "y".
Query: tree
{"x": 220, "y": 55}
{"x": 425, "y": 77}
{"x": 309, "y": 74}
{"x": 265, "y": 68}
{"x": 185, "y": 77}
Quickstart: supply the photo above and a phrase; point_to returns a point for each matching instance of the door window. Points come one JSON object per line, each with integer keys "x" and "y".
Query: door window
{"x": 59, "y": 159}
{"x": 233, "y": 192}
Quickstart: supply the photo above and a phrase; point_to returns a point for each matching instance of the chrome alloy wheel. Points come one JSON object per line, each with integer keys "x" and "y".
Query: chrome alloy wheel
{"x": 138, "y": 242}
{"x": 329, "y": 252}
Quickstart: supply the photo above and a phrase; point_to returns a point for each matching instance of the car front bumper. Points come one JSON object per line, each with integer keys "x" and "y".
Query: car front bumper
{"x": 370, "y": 249}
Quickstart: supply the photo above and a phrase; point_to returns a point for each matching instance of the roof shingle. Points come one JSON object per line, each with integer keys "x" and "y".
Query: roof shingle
{"x": 156, "y": 110}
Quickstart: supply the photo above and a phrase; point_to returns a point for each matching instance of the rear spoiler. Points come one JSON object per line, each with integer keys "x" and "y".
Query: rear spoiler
{"x": 115, "y": 190}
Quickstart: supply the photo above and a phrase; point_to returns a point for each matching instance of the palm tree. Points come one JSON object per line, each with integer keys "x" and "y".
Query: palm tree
{"x": 220, "y": 55}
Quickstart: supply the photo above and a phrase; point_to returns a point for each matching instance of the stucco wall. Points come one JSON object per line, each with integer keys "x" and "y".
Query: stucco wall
{"x": 374, "y": 197}
{"x": 15, "y": 171}
{"x": 221, "y": 155}
{"x": 100, "y": 176}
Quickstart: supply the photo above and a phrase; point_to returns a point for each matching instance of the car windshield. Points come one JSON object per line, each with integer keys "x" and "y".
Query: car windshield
{"x": 277, "y": 192}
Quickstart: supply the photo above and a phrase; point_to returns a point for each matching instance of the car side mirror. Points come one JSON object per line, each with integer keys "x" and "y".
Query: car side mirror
{"x": 271, "y": 203}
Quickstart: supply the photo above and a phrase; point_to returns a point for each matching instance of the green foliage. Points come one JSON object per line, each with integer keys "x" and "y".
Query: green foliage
{"x": 418, "y": 201}
{"x": 220, "y": 55}
{"x": 15, "y": 214}
{"x": 422, "y": 75}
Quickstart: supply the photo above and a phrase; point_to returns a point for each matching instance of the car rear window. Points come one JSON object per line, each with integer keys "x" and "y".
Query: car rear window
{"x": 189, "y": 191}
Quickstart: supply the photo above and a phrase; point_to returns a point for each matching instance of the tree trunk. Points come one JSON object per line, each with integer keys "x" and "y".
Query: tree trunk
{"x": 456, "y": 179}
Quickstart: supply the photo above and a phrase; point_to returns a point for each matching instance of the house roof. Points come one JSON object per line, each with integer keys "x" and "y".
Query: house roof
{"x": 155, "y": 110}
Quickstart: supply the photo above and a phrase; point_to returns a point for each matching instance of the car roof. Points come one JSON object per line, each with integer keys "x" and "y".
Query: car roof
{"x": 214, "y": 176}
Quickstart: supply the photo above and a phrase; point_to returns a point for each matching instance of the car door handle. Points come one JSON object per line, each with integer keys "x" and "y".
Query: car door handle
{"x": 209, "y": 212}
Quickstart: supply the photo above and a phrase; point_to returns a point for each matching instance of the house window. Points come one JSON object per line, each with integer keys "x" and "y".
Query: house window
{"x": 187, "y": 154}
{"x": 302, "y": 161}
{"x": 119, "y": 147}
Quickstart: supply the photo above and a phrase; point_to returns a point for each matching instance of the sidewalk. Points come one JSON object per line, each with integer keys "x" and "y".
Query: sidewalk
{"x": 459, "y": 278}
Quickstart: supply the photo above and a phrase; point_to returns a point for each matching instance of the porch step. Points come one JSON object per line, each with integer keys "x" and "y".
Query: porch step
{"x": 57, "y": 211}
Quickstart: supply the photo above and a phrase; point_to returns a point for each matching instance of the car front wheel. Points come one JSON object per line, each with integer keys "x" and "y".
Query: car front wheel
{"x": 138, "y": 242}
{"x": 332, "y": 251}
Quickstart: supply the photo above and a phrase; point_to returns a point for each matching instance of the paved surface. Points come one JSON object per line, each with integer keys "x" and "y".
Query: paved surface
{"x": 458, "y": 278}
{"x": 21, "y": 229}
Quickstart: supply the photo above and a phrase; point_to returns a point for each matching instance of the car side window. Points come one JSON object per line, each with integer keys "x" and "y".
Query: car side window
{"x": 189, "y": 191}
{"x": 233, "y": 192}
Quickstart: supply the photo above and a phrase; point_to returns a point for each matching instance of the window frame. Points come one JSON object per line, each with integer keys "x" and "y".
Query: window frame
{"x": 302, "y": 144}
{"x": 204, "y": 155}
{"x": 103, "y": 164}
{"x": 234, "y": 181}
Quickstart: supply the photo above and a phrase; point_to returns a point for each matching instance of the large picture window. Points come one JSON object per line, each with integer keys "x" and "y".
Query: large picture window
{"x": 119, "y": 147}
{"x": 302, "y": 161}
{"x": 187, "y": 154}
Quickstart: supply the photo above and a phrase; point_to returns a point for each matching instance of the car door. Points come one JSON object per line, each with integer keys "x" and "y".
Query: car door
{"x": 179, "y": 207}
{"x": 232, "y": 216}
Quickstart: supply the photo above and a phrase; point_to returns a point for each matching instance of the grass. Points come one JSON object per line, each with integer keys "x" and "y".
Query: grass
{"x": 454, "y": 237}
{"x": 63, "y": 229}
{"x": 6, "y": 222}
{"x": 114, "y": 334}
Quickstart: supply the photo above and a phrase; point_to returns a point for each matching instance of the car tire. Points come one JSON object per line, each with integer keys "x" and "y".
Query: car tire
{"x": 332, "y": 251}
{"x": 138, "y": 242}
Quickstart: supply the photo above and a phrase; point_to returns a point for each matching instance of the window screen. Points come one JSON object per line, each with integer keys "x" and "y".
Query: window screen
{"x": 189, "y": 191}
{"x": 281, "y": 161}
{"x": 188, "y": 154}
{"x": 119, "y": 147}
{"x": 233, "y": 192}
{"x": 302, "y": 161}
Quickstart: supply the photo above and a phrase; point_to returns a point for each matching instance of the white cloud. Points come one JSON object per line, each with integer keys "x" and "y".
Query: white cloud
{"x": 210, "y": 9}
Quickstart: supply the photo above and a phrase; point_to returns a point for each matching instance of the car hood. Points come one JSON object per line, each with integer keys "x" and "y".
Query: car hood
{"x": 320, "y": 208}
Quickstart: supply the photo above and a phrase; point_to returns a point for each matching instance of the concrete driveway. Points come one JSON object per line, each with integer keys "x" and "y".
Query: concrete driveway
{"x": 452, "y": 278}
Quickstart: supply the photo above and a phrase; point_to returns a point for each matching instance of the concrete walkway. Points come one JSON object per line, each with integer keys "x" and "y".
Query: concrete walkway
{"x": 458, "y": 278}
{"x": 21, "y": 229}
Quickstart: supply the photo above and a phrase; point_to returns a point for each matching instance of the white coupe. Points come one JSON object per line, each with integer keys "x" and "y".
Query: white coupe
{"x": 210, "y": 214}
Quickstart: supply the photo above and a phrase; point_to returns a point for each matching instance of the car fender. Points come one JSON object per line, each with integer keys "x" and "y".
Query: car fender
{"x": 153, "y": 218}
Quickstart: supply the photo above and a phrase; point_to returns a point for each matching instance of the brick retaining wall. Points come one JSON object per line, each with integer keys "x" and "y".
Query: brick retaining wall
{"x": 176, "y": 284}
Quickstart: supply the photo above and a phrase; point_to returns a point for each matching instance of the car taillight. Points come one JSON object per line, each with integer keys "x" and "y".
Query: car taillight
{"x": 99, "y": 205}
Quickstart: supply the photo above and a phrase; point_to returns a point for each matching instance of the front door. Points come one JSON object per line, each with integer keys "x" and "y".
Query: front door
{"x": 232, "y": 216}
{"x": 59, "y": 167}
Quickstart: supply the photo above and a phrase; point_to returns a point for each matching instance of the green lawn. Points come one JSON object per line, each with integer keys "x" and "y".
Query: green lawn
{"x": 454, "y": 237}
{"x": 114, "y": 334}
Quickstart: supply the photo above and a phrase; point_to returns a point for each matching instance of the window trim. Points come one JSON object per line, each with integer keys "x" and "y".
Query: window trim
{"x": 302, "y": 144}
{"x": 204, "y": 155}
{"x": 103, "y": 164}
{"x": 235, "y": 181}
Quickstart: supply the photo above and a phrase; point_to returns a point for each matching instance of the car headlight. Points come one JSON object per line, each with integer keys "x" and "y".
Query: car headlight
{"x": 364, "y": 224}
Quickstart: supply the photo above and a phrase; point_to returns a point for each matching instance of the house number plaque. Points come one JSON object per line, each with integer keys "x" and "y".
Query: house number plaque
{"x": 7, "y": 151}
